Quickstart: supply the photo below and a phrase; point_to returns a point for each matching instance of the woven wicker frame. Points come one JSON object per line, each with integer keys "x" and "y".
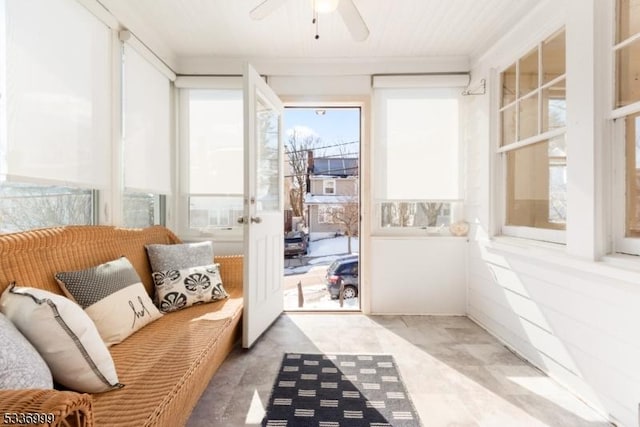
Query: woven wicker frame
{"x": 165, "y": 366}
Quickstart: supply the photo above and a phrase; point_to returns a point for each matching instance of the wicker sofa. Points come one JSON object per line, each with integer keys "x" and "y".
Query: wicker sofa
{"x": 165, "y": 366}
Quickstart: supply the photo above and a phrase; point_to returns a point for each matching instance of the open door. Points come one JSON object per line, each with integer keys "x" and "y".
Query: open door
{"x": 263, "y": 207}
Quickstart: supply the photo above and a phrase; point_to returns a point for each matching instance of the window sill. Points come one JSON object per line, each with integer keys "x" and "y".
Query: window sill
{"x": 215, "y": 235}
{"x": 425, "y": 236}
{"x": 620, "y": 267}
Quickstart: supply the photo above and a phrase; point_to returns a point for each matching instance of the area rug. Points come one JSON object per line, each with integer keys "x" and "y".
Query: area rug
{"x": 339, "y": 391}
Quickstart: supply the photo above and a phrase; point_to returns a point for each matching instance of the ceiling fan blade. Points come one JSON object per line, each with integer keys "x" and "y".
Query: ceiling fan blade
{"x": 353, "y": 20}
{"x": 265, "y": 8}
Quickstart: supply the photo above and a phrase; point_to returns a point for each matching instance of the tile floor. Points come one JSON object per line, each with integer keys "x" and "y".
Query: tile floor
{"x": 456, "y": 373}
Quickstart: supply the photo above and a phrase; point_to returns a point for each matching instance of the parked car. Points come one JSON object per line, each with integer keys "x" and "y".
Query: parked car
{"x": 344, "y": 270}
{"x": 296, "y": 243}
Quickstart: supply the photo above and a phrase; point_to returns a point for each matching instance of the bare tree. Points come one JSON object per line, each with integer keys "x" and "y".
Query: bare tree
{"x": 411, "y": 214}
{"x": 348, "y": 217}
{"x": 299, "y": 143}
{"x": 35, "y": 208}
{"x": 431, "y": 210}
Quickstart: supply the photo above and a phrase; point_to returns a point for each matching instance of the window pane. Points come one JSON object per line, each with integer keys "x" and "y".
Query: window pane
{"x": 25, "y": 206}
{"x": 628, "y": 19}
{"x": 509, "y": 85}
{"x": 554, "y": 107}
{"x": 214, "y": 212}
{"x": 508, "y": 125}
{"x": 268, "y": 189}
{"x": 633, "y": 175}
{"x": 528, "y": 73}
{"x": 415, "y": 214}
{"x": 536, "y": 185}
{"x": 628, "y": 66}
{"x": 140, "y": 209}
{"x": 553, "y": 58}
{"x": 528, "y": 117}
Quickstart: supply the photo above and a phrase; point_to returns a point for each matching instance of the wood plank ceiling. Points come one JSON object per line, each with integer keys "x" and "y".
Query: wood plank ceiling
{"x": 398, "y": 28}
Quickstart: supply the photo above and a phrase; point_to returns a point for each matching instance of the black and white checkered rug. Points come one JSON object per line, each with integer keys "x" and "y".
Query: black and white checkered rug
{"x": 339, "y": 391}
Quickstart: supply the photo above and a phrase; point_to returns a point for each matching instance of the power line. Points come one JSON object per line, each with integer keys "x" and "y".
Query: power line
{"x": 354, "y": 168}
{"x": 322, "y": 147}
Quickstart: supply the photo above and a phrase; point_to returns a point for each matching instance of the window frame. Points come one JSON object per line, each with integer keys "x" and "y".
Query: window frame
{"x": 456, "y": 203}
{"x": 502, "y": 150}
{"x": 329, "y": 184}
{"x": 182, "y": 202}
{"x": 621, "y": 242}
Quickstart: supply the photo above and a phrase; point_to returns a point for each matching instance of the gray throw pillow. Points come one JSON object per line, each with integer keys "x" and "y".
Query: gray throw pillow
{"x": 21, "y": 366}
{"x": 179, "y": 256}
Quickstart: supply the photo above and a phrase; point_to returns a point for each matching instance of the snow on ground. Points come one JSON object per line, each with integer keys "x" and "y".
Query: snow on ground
{"x": 332, "y": 246}
{"x": 321, "y": 252}
{"x": 310, "y": 270}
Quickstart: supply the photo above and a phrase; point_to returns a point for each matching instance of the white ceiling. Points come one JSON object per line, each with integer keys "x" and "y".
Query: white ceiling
{"x": 184, "y": 31}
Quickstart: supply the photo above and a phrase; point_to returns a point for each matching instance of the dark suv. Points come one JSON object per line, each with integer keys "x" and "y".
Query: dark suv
{"x": 296, "y": 243}
{"x": 344, "y": 270}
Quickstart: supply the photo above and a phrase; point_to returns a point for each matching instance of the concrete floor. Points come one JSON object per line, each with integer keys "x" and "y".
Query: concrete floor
{"x": 455, "y": 372}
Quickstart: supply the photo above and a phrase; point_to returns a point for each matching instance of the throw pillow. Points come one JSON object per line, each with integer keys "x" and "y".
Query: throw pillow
{"x": 20, "y": 364}
{"x": 65, "y": 337}
{"x": 176, "y": 289}
{"x": 179, "y": 256}
{"x": 113, "y": 295}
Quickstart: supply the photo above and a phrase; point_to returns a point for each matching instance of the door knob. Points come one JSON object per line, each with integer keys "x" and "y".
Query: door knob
{"x": 256, "y": 219}
{"x": 241, "y": 220}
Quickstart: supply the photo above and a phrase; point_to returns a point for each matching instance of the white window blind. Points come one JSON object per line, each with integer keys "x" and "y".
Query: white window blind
{"x": 58, "y": 88}
{"x": 147, "y": 113}
{"x": 216, "y": 142}
{"x": 417, "y": 144}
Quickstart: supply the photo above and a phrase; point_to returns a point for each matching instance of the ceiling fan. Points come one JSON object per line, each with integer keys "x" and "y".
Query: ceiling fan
{"x": 346, "y": 8}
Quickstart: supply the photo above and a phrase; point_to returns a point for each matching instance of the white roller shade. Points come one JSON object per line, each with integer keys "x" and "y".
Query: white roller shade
{"x": 417, "y": 144}
{"x": 147, "y": 124}
{"x": 58, "y": 94}
{"x": 216, "y": 142}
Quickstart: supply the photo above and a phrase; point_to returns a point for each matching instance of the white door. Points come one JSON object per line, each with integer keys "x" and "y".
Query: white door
{"x": 263, "y": 207}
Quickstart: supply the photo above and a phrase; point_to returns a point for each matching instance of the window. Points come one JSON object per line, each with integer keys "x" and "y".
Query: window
{"x": 142, "y": 209}
{"x": 146, "y": 112}
{"x": 417, "y": 163}
{"x": 329, "y": 186}
{"x": 415, "y": 214}
{"x": 532, "y": 140}
{"x": 55, "y": 104}
{"x": 627, "y": 112}
{"x": 212, "y": 180}
{"x": 329, "y": 214}
{"x": 27, "y": 206}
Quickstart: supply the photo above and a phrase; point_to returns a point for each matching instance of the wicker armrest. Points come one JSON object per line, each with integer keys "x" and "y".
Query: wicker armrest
{"x": 231, "y": 272}
{"x": 67, "y": 408}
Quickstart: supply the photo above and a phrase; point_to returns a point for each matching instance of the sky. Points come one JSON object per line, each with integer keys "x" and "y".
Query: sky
{"x": 336, "y": 126}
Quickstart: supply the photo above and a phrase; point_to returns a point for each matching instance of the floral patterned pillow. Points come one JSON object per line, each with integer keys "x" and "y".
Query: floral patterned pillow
{"x": 177, "y": 289}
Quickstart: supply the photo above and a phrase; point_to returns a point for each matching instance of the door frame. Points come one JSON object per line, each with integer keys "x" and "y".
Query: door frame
{"x": 366, "y": 203}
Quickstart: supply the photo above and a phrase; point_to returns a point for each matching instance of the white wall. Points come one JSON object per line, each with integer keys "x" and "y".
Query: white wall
{"x": 418, "y": 275}
{"x": 573, "y": 315}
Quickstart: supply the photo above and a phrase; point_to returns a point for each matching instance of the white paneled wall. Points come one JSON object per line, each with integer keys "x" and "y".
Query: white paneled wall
{"x": 577, "y": 319}
{"x": 418, "y": 275}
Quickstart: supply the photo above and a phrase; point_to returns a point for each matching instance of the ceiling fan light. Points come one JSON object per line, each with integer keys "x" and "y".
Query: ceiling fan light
{"x": 325, "y": 6}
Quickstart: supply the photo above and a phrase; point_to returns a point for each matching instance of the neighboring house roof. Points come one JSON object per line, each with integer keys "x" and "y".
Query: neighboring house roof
{"x": 332, "y": 166}
{"x": 312, "y": 199}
